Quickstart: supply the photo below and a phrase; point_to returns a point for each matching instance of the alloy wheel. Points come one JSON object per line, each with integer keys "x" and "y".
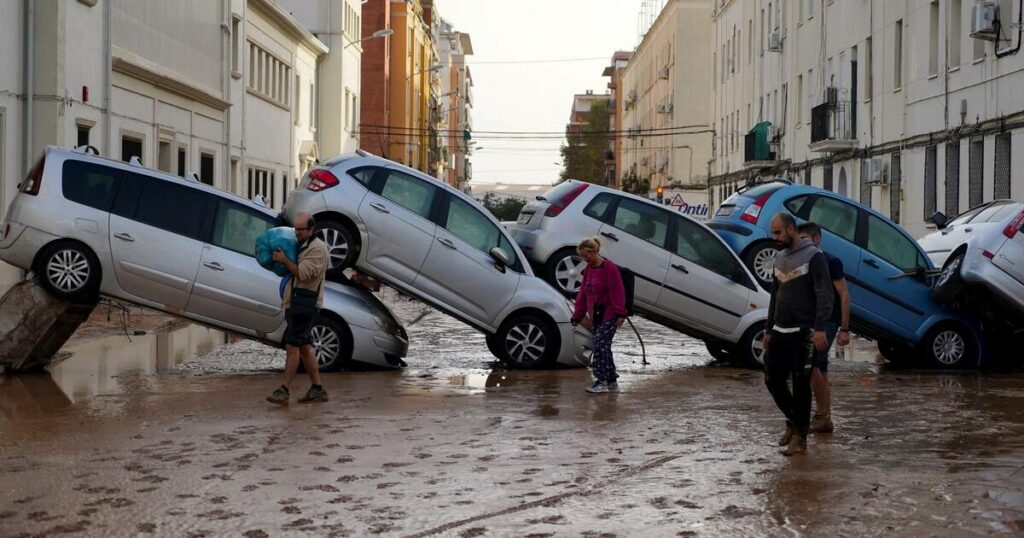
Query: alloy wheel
{"x": 326, "y": 344}
{"x": 757, "y": 347}
{"x": 525, "y": 343}
{"x": 569, "y": 273}
{"x": 337, "y": 245}
{"x": 949, "y": 347}
{"x": 951, "y": 269}
{"x": 68, "y": 270}
{"x": 764, "y": 263}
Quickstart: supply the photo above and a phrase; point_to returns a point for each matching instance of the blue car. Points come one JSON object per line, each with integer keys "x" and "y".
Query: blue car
{"x": 889, "y": 275}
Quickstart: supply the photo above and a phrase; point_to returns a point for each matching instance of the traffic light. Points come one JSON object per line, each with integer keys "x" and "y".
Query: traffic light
{"x": 661, "y": 194}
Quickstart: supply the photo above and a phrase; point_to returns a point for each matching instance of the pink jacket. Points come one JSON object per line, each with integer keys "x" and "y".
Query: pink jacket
{"x": 601, "y": 285}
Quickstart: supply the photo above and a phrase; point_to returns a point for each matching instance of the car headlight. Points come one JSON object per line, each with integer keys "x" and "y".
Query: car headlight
{"x": 385, "y": 325}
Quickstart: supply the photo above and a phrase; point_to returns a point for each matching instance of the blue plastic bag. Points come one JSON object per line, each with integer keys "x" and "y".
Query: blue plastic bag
{"x": 282, "y": 238}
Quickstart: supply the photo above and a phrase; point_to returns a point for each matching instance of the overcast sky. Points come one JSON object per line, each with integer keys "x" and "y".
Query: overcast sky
{"x": 534, "y": 96}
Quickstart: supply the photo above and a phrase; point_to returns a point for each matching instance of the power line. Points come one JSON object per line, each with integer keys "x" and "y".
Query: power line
{"x": 546, "y": 61}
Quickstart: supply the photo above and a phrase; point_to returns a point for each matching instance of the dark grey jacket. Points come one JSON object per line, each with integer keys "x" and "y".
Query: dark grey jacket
{"x": 801, "y": 290}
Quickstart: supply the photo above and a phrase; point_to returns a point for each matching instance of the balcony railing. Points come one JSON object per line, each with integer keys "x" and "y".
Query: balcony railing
{"x": 833, "y": 127}
{"x": 757, "y": 149}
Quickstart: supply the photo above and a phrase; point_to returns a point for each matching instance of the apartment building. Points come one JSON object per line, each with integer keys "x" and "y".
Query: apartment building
{"x": 614, "y": 72}
{"x": 909, "y": 107}
{"x": 455, "y": 104}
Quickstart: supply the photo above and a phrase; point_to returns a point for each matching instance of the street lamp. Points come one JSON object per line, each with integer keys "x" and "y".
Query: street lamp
{"x": 434, "y": 67}
{"x": 378, "y": 34}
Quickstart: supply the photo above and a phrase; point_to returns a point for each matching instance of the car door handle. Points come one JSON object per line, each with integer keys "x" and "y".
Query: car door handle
{"x": 680, "y": 267}
{"x": 446, "y": 242}
{"x": 871, "y": 263}
{"x": 380, "y": 207}
{"x": 610, "y": 235}
{"x": 125, "y": 237}
{"x": 214, "y": 265}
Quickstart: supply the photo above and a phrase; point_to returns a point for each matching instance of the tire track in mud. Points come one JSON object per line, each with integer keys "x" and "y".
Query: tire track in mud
{"x": 550, "y": 500}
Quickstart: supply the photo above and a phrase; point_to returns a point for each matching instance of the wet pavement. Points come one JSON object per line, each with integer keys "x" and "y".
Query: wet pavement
{"x": 170, "y": 436}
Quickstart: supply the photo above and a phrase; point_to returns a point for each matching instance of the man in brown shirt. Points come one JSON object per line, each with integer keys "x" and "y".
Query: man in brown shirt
{"x": 307, "y": 274}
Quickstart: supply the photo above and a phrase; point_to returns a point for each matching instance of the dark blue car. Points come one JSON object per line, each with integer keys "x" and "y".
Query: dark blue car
{"x": 888, "y": 273}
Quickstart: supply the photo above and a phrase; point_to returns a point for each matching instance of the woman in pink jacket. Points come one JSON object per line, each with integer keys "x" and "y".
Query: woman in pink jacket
{"x": 602, "y": 299}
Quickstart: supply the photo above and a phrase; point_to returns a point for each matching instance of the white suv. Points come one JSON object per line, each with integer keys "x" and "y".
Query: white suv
{"x": 439, "y": 245}
{"x": 89, "y": 225}
{"x": 687, "y": 278}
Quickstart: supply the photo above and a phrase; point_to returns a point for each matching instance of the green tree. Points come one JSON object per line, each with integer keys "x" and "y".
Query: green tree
{"x": 584, "y": 158}
{"x": 504, "y": 209}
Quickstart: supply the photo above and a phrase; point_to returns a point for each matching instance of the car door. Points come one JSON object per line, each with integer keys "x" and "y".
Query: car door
{"x": 1010, "y": 256}
{"x": 701, "y": 286}
{"x": 231, "y": 287}
{"x": 155, "y": 238}
{"x": 397, "y": 213}
{"x": 635, "y": 237}
{"x": 94, "y": 187}
{"x": 459, "y": 270}
{"x": 839, "y": 221}
{"x": 885, "y": 298}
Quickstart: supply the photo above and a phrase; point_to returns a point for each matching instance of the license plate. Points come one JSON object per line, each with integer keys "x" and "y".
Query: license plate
{"x": 524, "y": 218}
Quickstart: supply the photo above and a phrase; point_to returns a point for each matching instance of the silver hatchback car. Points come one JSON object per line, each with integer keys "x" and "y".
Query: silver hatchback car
{"x": 88, "y": 225}
{"x": 439, "y": 245}
{"x": 687, "y": 278}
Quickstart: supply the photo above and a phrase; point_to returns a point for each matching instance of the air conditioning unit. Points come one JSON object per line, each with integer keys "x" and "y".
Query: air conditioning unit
{"x": 878, "y": 172}
{"x": 985, "y": 21}
{"x": 775, "y": 41}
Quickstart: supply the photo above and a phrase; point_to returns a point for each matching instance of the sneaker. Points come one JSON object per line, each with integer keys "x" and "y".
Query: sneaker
{"x": 797, "y": 446}
{"x": 822, "y": 424}
{"x": 314, "y": 395}
{"x": 279, "y": 396}
{"x": 787, "y": 436}
{"x": 599, "y": 387}
{"x": 613, "y": 386}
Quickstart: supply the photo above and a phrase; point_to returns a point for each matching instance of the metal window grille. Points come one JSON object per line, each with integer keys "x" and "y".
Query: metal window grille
{"x": 1001, "y": 186}
{"x": 895, "y": 188}
{"x": 976, "y": 173}
{"x": 807, "y": 175}
{"x": 953, "y": 178}
{"x": 828, "y": 178}
{"x": 930, "y": 203}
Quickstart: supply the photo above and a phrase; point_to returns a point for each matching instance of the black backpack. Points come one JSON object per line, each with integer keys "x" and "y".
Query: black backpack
{"x": 628, "y": 282}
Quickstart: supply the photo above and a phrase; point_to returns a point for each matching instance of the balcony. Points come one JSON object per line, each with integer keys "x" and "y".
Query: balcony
{"x": 757, "y": 147}
{"x": 833, "y": 127}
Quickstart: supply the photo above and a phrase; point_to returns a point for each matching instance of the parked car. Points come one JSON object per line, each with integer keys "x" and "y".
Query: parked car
{"x": 88, "y": 225}
{"x": 435, "y": 243}
{"x": 888, "y": 272}
{"x": 981, "y": 250}
{"x": 687, "y": 278}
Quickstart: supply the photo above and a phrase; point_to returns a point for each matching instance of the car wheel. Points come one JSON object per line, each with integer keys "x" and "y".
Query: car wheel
{"x": 895, "y": 353}
{"x": 564, "y": 271}
{"x": 950, "y": 286}
{"x": 341, "y": 243}
{"x": 760, "y": 259}
{"x": 492, "y": 345}
{"x": 718, "y": 352}
{"x": 950, "y": 346}
{"x": 750, "y": 349}
{"x": 69, "y": 271}
{"x": 527, "y": 341}
{"x": 332, "y": 343}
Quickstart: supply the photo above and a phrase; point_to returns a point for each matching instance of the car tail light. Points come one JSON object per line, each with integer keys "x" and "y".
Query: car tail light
{"x": 320, "y": 179}
{"x": 754, "y": 211}
{"x": 988, "y": 254}
{"x": 1014, "y": 226}
{"x": 558, "y": 206}
{"x": 34, "y": 179}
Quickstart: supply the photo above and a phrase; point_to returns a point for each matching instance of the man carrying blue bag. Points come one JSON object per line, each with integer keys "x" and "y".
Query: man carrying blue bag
{"x": 303, "y": 297}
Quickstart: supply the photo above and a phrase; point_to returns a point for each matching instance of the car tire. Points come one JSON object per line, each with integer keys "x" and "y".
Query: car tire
{"x": 341, "y": 243}
{"x": 332, "y": 343}
{"x": 750, "y": 351}
{"x": 950, "y": 346}
{"x": 564, "y": 271}
{"x": 760, "y": 259}
{"x": 69, "y": 271}
{"x": 527, "y": 341}
{"x": 950, "y": 287}
{"x": 718, "y": 352}
{"x": 895, "y": 353}
{"x": 492, "y": 345}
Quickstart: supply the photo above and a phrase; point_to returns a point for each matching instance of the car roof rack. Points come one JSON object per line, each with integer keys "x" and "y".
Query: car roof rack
{"x": 86, "y": 149}
{"x": 755, "y": 183}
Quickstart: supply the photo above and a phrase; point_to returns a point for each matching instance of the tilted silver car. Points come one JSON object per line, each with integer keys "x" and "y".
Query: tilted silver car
{"x": 437, "y": 244}
{"x": 687, "y": 278}
{"x": 983, "y": 247}
{"x": 89, "y": 225}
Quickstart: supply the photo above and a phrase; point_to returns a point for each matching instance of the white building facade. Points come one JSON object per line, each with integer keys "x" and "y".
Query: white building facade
{"x": 894, "y": 104}
{"x": 455, "y": 104}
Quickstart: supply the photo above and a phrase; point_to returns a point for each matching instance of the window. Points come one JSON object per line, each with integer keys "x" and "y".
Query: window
{"x": 598, "y": 207}
{"x": 868, "y": 74}
{"x": 297, "y": 108}
{"x": 470, "y": 225}
{"x": 835, "y": 216}
{"x": 975, "y": 172}
{"x": 810, "y": 94}
{"x": 163, "y": 157}
{"x": 261, "y": 183}
{"x": 236, "y": 46}
{"x": 898, "y": 56}
{"x": 206, "y": 168}
{"x": 933, "y": 38}
{"x": 409, "y": 192}
{"x": 643, "y": 221}
{"x": 363, "y": 175}
{"x": 182, "y": 159}
{"x": 269, "y": 76}
{"x": 750, "y": 40}
{"x": 810, "y": 8}
{"x": 763, "y": 28}
{"x": 237, "y": 227}
{"x": 798, "y": 206}
{"x": 83, "y": 134}
{"x": 930, "y": 186}
{"x": 826, "y": 178}
{"x": 699, "y": 246}
{"x": 955, "y": 29}
{"x": 312, "y": 107}
{"x": 952, "y": 178}
{"x": 1001, "y": 183}
{"x": 131, "y": 147}
{"x": 799, "y": 98}
{"x": 886, "y": 242}
{"x": 895, "y": 188}
{"x": 175, "y": 208}
{"x": 90, "y": 184}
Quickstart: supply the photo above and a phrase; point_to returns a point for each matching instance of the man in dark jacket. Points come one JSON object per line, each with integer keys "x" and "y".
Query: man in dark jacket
{"x": 800, "y": 306}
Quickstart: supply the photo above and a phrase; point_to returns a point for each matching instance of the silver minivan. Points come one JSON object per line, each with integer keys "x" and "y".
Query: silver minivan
{"x": 687, "y": 278}
{"x": 88, "y": 225}
{"x": 434, "y": 243}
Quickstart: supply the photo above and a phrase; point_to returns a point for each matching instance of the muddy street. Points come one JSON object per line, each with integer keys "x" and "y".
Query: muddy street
{"x": 169, "y": 435}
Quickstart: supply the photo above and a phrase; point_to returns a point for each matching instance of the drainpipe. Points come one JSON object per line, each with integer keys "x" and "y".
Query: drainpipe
{"x": 1020, "y": 32}
{"x": 108, "y": 55}
{"x": 226, "y": 56}
{"x": 30, "y": 86}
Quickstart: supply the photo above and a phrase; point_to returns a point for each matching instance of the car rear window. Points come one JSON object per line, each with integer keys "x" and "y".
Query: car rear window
{"x": 760, "y": 190}
{"x": 90, "y": 184}
{"x": 997, "y": 212}
{"x": 559, "y": 191}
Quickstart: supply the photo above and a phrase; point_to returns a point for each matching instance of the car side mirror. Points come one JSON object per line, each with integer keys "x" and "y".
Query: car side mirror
{"x": 500, "y": 258}
{"x": 939, "y": 219}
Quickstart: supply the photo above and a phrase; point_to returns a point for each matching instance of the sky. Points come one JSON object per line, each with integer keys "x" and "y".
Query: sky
{"x": 534, "y": 96}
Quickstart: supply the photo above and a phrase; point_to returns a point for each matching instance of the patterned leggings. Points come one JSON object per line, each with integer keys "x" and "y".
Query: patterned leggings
{"x": 602, "y": 364}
